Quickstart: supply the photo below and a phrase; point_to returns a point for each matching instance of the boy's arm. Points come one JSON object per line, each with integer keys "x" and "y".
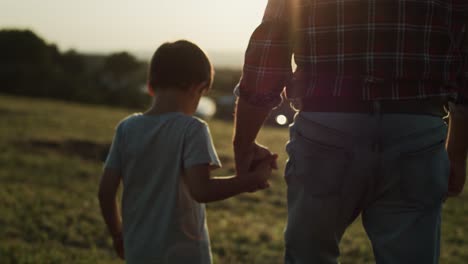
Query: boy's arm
{"x": 205, "y": 189}
{"x": 108, "y": 187}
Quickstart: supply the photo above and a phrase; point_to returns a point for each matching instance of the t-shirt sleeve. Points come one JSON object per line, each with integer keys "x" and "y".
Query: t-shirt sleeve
{"x": 114, "y": 157}
{"x": 199, "y": 148}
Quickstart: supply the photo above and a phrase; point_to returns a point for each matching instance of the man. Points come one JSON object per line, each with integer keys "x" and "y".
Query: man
{"x": 370, "y": 87}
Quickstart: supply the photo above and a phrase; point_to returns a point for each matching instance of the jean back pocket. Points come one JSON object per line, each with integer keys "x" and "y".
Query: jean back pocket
{"x": 318, "y": 166}
{"x": 424, "y": 174}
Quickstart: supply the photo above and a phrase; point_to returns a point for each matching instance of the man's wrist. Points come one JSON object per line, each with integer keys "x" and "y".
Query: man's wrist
{"x": 117, "y": 236}
{"x": 457, "y": 142}
{"x": 457, "y": 153}
{"x": 461, "y": 100}
{"x": 243, "y": 147}
{"x": 458, "y": 111}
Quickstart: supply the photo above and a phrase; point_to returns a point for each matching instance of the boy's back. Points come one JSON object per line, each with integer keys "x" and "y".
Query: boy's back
{"x": 164, "y": 159}
{"x": 161, "y": 221}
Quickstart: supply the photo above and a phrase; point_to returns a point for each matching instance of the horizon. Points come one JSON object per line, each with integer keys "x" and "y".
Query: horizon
{"x": 230, "y": 59}
{"x": 217, "y": 26}
{"x": 220, "y": 59}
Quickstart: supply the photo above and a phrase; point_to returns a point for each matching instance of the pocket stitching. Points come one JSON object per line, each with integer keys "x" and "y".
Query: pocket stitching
{"x": 324, "y": 149}
{"x": 425, "y": 150}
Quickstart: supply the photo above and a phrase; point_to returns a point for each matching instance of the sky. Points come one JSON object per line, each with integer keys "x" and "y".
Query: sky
{"x": 137, "y": 25}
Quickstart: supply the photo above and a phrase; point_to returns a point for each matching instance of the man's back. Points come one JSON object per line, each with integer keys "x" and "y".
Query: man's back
{"x": 387, "y": 65}
{"x": 360, "y": 50}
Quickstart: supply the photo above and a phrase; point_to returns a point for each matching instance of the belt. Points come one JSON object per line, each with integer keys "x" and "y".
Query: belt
{"x": 431, "y": 106}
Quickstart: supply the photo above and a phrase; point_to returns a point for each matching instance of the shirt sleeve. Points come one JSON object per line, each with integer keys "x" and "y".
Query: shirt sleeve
{"x": 267, "y": 67}
{"x": 114, "y": 157}
{"x": 199, "y": 148}
{"x": 461, "y": 25}
{"x": 464, "y": 85}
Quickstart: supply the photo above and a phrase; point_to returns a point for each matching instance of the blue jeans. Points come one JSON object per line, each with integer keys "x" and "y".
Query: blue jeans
{"x": 392, "y": 169}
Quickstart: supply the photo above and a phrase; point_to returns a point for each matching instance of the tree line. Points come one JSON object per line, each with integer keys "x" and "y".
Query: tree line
{"x": 29, "y": 66}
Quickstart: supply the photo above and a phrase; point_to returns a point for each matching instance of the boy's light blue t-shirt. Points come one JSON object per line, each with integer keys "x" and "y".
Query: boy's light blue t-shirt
{"x": 161, "y": 221}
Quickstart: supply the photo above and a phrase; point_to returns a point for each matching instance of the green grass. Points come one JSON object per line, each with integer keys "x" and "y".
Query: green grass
{"x": 50, "y": 163}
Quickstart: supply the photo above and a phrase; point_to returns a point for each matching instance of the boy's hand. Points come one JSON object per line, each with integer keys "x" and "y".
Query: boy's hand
{"x": 118, "y": 246}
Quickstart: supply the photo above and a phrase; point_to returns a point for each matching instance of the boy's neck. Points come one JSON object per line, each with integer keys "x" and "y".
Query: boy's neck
{"x": 167, "y": 101}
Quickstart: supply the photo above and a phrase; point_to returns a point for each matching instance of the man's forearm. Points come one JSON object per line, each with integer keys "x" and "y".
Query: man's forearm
{"x": 248, "y": 121}
{"x": 457, "y": 141}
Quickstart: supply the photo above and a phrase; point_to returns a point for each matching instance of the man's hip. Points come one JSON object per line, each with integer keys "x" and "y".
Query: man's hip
{"x": 341, "y": 165}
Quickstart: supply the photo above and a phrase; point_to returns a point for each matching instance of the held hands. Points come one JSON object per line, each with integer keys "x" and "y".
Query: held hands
{"x": 260, "y": 173}
{"x": 255, "y": 164}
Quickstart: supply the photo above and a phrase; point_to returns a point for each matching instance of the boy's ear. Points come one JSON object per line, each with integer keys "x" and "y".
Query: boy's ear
{"x": 150, "y": 89}
{"x": 200, "y": 88}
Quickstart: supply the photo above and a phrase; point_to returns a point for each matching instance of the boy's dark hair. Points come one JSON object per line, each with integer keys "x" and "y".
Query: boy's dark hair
{"x": 179, "y": 64}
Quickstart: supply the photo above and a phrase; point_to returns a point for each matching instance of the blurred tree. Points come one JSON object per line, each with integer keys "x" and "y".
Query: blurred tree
{"x": 72, "y": 78}
{"x": 72, "y": 62}
{"x": 123, "y": 78}
{"x": 225, "y": 81}
{"x": 29, "y": 66}
{"x": 121, "y": 63}
{"x": 26, "y": 63}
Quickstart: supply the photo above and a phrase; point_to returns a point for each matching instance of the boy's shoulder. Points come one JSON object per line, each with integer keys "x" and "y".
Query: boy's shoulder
{"x": 128, "y": 119}
{"x": 187, "y": 121}
{"x": 197, "y": 121}
{"x": 192, "y": 125}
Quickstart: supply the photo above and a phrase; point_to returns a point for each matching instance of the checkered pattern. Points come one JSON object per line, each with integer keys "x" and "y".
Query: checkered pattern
{"x": 358, "y": 49}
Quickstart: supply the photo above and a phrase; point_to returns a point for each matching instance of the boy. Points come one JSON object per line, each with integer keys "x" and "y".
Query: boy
{"x": 163, "y": 158}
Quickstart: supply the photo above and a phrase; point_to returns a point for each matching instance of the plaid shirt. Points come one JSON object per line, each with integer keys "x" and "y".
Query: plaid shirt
{"x": 357, "y": 49}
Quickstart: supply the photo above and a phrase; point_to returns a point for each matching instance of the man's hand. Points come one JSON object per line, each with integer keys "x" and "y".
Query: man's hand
{"x": 458, "y": 169}
{"x": 457, "y": 148}
{"x": 248, "y": 158}
{"x": 118, "y": 246}
{"x": 260, "y": 173}
{"x": 247, "y": 123}
{"x": 457, "y": 177}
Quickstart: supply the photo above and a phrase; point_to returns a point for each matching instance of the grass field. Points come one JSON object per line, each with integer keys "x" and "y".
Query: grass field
{"x": 50, "y": 161}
